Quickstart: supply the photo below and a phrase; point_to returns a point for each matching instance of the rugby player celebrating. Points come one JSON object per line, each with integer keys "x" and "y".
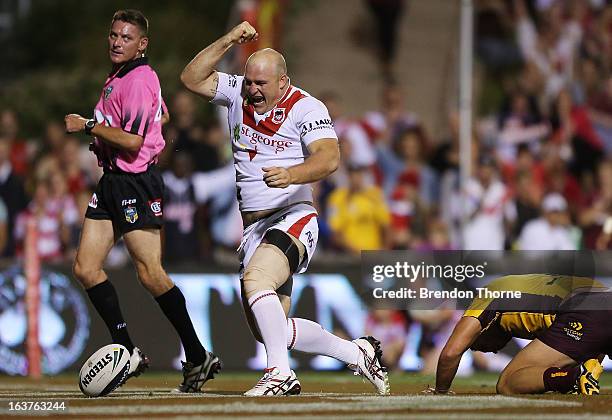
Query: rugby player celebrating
{"x": 282, "y": 139}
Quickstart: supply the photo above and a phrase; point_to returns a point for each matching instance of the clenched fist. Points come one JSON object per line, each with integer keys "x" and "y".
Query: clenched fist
{"x": 276, "y": 177}
{"x": 243, "y": 33}
{"x": 74, "y": 123}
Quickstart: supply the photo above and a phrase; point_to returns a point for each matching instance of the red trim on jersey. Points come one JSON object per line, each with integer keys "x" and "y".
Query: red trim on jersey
{"x": 268, "y": 126}
{"x": 296, "y": 229}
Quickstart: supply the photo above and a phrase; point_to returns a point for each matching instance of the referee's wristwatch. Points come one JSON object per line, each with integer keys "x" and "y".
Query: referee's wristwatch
{"x": 89, "y": 125}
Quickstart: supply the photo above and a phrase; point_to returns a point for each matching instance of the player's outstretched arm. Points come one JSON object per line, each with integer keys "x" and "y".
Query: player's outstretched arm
{"x": 323, "y": 161}
{"x": 113, "y": 136}
{"x": 465, "y": 333}
{"x": 199, "y": 76}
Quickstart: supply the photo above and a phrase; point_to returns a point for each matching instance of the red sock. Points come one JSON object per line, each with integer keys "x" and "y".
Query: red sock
{"x": 560, "y": 380}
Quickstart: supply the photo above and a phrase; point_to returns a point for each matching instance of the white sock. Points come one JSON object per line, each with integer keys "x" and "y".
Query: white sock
{"x": 309, "y": 337}
{"x": 272, "y": 325}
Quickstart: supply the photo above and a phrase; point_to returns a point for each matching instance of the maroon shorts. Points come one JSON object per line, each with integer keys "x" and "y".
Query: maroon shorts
{"x": 582, "y": 327}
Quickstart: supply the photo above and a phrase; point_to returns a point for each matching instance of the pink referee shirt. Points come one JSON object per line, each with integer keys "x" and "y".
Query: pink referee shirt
{"x": 131, "y": 100}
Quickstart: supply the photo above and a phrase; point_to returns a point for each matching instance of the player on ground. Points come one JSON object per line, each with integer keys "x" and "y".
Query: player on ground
{"x": 561, "y": 314}
{"x": 128, "y": 199}
{"x": 271, "y": 123}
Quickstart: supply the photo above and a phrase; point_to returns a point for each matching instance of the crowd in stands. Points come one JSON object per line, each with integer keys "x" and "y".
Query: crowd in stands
{"x": 542, "y": 159}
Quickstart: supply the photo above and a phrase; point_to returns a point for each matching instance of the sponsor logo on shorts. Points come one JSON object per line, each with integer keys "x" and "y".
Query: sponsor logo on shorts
{"x": 156, "y": 206}
{"x": 93, "y": 201}
{"x": 573, "y": 330}
{"x": 558, "y": 374}
{"x": 131, "y": 214}
{"x": 128, "y": 202}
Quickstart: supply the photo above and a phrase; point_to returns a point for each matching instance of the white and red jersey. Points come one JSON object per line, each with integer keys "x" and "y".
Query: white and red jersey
{"x": 277, "y": 138}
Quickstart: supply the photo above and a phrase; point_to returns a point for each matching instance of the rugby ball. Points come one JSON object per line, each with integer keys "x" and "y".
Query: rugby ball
{"x": 105, "y": 370}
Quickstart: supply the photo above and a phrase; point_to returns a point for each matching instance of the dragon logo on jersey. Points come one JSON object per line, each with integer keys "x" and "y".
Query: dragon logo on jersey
{"x": 108, "y": 91}
{"x": 278, "y": 116}
{"x": 131, "y": 214}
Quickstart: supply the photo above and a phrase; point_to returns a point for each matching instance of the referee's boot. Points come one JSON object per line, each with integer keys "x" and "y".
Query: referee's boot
{"x": 194, "y": 377}
{"x": 139, "y": 362}
{"x": 588, "y": 379}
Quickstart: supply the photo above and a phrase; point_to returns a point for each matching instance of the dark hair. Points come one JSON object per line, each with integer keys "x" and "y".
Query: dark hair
{"x": 135, "y": 17}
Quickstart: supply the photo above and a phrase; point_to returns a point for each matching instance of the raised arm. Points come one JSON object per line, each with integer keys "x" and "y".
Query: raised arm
{"x": 199, "y": 76}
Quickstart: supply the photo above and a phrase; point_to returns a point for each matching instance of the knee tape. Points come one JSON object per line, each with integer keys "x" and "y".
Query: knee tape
{"x": 291, "y": 247}
{"x": 273, "y": 263}
{"x": 267, "y": 270}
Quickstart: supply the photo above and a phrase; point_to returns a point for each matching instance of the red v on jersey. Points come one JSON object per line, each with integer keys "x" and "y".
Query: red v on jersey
{"x": 271, "y": 124}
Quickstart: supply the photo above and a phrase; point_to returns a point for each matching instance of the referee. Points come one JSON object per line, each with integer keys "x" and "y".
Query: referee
{"x": 127, "y": 140}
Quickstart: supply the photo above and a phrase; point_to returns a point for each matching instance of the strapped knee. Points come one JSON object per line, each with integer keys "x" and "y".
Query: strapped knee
{"x": 272, "y": 264}
{"x": 287, "y": 246}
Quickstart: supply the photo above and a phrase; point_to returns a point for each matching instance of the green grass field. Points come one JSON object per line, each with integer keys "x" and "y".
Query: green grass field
{"x": 324, "y": 395}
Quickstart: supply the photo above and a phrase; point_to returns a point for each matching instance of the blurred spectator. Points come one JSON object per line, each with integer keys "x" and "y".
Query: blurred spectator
{"x": 598, "y": 207}
{"x": 13, "y": 194}
{"x": 520, "y": 122}
{"x": 436, "y": 328}
{"x": 408, "y": 214}
{"x": 183, "y": 133}
{"x": 390, "y": 327}
{"x": 527, "y": 198}
{"x": 55, "y": 214}
{"x": 446, "y": 155}
{"x": 600, "y": 111}
{"x": 386, "y": 125}
{"x": 438, "y": 237}
{"x": 50, "y": 154}
{"x": 552, "y": 231}
{"x": 551, "y": 47}
{"x": 19, "y": 150}
{"x": 408, "y": 159}
{"x": 76, "y": 177}
{"x": 488, "y": 207}
{"x": 359, "y": 150}
{"x": 4, "y": 232}
{"x": 557, "y": 177}
{"x": 181, "y": 230}
{"x": 574, "y": 131}
{"x": 388, "y": 14}
{"x": 199, "y": 208}
{"x": 358, "y": 215}
{"x": 494, "y": 30}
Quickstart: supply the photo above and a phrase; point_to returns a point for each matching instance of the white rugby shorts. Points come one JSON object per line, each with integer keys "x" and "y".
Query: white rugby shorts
{"x": 299, "y": 220}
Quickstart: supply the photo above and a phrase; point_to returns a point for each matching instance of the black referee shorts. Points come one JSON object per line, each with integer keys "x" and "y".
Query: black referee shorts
{"x": 130, "y": 201}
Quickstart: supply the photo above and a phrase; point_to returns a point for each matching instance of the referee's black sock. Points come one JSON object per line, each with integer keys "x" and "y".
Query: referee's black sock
{"x": 104, "y": 298}
{"x": 560, "y": 379}
{"x": 172, "y": 303}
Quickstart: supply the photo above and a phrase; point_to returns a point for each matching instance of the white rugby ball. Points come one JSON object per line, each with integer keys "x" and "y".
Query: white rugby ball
{"x": 104, "y": 370}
